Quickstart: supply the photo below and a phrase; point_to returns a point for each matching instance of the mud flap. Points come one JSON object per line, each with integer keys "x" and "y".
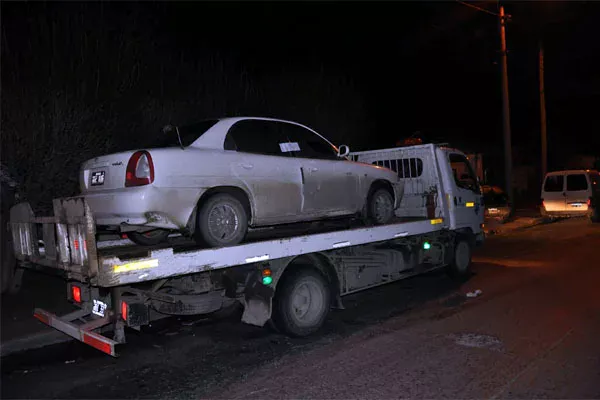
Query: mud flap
{"x": 257, "y": 301}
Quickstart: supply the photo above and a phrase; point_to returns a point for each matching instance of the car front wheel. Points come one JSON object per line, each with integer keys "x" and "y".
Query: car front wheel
{"x": 380, "y": 206}
{"x": 222, "y": 221}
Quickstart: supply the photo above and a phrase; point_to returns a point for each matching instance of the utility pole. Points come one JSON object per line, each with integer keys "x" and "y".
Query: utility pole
{"x": 543, "y": 115}
{"x": 506, "y": 110}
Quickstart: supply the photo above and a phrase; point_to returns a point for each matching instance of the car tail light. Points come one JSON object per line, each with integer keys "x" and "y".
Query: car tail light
{"x": 589, "y": 202}
{"x": 140, "y": 169}
{"x": 76, "y": 292}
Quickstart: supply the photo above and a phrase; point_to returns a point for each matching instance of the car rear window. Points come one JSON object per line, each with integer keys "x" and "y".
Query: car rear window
{"x": 576, "y": 182}
{"x": 188, "y": 133}
{"x": 554, "y": 183}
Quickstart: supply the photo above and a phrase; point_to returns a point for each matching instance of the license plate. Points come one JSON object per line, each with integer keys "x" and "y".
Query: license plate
{"x": 493, "y": 210}
{"x": 97, "y": 178}
{"x": 99, "y": 308}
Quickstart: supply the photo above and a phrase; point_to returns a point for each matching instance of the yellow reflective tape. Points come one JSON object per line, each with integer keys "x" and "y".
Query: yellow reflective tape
{"x": 436, "y": 221}
{"x": 136, "y": 265}
{"x": 470, "y": 204}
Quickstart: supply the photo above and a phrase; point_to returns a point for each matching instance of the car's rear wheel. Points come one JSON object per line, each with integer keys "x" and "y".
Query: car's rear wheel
{"x": 149, "y": 238}
{"x": 222, "y": 221}
{"x": 380, "y": 206}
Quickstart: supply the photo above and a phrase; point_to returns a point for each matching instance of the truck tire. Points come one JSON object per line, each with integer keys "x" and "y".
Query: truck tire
{"x": 461, "y": 259}
{"x": 302, "y": 302}
{"x": 222, "y": 221}
{"x": 149, "y": 238}
{"x": 380, "y": 206}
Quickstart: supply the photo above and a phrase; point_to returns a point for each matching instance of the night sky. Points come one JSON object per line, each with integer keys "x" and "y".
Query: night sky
{"x": 104, "y": 75}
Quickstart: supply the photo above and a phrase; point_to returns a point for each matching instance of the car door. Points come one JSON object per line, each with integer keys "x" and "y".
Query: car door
{"x": 577, "y": 192}
{"x": 466, "y": 192}
{"x": 270, "y": 173}
{"x": 553, "y": 194}
{"x": 330, "y": 186}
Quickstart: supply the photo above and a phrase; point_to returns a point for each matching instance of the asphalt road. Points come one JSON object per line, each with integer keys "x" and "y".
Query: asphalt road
{"x": 531, "y": 333}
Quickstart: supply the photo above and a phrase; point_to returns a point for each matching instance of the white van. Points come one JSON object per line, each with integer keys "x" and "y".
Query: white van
{"x": 572, "y": 193}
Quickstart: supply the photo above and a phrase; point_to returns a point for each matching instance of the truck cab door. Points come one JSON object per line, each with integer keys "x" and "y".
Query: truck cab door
{"x": 465, "y": 194}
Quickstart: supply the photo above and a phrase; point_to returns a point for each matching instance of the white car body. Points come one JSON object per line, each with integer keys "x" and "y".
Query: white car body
{"x": 282, "y": 188}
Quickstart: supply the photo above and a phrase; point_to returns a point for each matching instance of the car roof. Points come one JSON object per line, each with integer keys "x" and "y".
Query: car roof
{"x": 213, "y": 138}
{"x": 573, "y": 171}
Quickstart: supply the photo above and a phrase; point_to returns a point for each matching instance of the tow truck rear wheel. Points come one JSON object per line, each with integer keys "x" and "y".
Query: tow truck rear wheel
{"x": 461, "y": 261}
{"x": 302, "y": 302}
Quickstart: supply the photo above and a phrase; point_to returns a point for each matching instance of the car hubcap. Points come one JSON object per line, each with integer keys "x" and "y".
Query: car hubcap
{"x": 223, "y": 222}
{"x": 383, "y": 207}
{"x": 307, "y": 302}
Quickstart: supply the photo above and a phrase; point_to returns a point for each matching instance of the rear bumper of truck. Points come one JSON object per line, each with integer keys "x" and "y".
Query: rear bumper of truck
{"x": 82, "y": 332}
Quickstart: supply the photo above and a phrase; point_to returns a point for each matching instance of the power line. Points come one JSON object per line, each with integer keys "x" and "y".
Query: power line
{"x": 477, "y": 8}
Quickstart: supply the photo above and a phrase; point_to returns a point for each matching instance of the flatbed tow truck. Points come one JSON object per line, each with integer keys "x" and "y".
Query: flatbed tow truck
{"x": 291, "y": 281}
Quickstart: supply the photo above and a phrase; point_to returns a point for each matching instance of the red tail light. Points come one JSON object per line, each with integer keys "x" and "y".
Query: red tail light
{"x": 140, "y": 169}
{"x": 589, "y": 202}
{"x": 76, "y": 292}
{"x": 124, "y": 309}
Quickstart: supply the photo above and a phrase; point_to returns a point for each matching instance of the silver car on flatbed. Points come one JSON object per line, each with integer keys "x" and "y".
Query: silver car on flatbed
{"x": 216, "y": 178}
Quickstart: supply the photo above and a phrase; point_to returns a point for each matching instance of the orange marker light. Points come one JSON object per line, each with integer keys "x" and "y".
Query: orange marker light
{"x": 76, "y": 292}
{"x": 124, "y": 310}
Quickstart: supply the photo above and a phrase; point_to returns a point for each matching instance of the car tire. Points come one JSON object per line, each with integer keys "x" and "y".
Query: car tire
{"x": 460, "y": 266}
{"x": 380, "y": 206}
{"x": 301, "y": 303}
{"x": 149, "y": 238}
{"x": 222, "y": 221}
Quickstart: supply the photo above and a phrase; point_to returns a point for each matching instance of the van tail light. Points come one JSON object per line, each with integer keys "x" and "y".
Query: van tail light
{"x": 543, "y": 204}
{"x": 140, "y": 169}
{"x": 589, "y": 202}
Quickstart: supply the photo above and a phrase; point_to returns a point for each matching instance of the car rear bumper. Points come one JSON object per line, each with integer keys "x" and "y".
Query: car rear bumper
{"x": 143, "y": 206}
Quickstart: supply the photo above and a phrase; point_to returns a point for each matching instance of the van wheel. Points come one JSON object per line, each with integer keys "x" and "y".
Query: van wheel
{"x": 461, "y": 260}
{"x": 380, "y": 206}
{"x": 222, "y": 221}
{"x": 149, "y": 238}
{"x": 302, "y": 302}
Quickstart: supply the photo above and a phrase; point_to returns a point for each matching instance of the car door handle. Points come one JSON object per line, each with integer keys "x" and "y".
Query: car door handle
{"x": 247, "y": 166}
{"x": 313, "y": 169}
{"x": 564, "y": 194}
{"x": 349, "y": 173}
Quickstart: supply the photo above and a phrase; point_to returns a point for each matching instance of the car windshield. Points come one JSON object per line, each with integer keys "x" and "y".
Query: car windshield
{"x": 188, "y": 133}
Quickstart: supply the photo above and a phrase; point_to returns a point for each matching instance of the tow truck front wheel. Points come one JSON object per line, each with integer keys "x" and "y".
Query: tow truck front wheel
{"x": 301, "y": 303}
{"x": 461, "y": 262}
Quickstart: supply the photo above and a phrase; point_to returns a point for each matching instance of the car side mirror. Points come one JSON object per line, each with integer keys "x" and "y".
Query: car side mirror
{"x": 343, "y": 151}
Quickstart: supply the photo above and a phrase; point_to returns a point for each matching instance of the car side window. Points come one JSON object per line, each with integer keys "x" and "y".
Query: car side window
{"x": 576, "y": 182}
{"x": 554, "y": 183}
{"x": 255, "y": 136}
{"x": 306, "y": 144}
{"x": 464, "y": 176}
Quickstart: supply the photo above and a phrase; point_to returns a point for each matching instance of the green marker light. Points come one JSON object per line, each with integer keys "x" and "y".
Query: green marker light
{"x": 426, "y": 245}
{"x": 267, "y": 280}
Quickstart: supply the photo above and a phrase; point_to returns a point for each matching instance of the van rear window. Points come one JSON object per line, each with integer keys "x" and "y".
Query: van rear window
{"x": 576, "y": 182}
{"x": 554, "y": 183}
